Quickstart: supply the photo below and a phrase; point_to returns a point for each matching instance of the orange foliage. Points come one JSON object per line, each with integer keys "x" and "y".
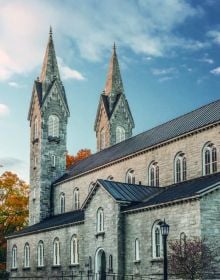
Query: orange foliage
{"x": 13, "y": 208}
{"x": 81, "y": 154}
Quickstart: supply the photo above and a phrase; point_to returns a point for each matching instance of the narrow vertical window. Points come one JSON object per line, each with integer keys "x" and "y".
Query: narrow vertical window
{"x": 110, "y": 263}
{"x": 120, "y": 134}
{"x": 209, "y": 159}
{"x": 100, "y": 220}
{"x": 90, "y": 264}
{"x": 26, "y": 255}
{"x": 56, "y": 252}
{"x": 102, "y": 139}
{"x": 156, "y": 240}
{"x": 180, "y": 171}
{"x": 137, "y": 249}
{"x": 76, "y": 199}
{"x": 53, "y": 161}
{"x": 14, "y": 257}
{"x": 153, "y": 174}
{"x": 130, "y": 177}
{"x": 53, "y": 126}
{"x": 35, "y": 128}
{"x": 62, "y": 203}
{"x": 182, "y": 244}
{"x": 40, "y": 254}
{"x": 74, "y": 250}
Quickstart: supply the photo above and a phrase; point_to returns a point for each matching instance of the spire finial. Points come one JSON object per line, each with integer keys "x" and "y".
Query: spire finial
{"x": 51, "y": 32}
{"x": 114, "y": 47}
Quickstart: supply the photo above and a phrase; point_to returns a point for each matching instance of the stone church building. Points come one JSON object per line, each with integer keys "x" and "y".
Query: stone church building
{"x": 103, "y": 214}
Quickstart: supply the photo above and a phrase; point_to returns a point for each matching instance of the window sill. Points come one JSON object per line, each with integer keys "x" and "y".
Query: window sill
{"x": 157, "y": 260}
{"x": 58, "y": 266}
{"x": 101, "y": 233}
{"x": 40, "y": 267}
{"x": 54, "y": 139}
{"x": 36, "y": 140}
{"x": 74, "y": 265}
{"x": 137, "y": 261}
{"x": 26, "y": 268}
{"x": 14, "y": 269}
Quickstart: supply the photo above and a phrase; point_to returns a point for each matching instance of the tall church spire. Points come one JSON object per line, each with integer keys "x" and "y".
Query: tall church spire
{"x": 114, "y": 83}
{"x": 50, "y": 67}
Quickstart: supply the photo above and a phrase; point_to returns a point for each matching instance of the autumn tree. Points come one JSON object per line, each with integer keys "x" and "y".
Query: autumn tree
{"x": 192, "y": 258}
{"x": 13, "y": 209}
{"x": 81, "y": 154}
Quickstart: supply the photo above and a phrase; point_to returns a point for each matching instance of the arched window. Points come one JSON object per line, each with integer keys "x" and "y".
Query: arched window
{"x": 209, "y": 159}
{"x": 53, "y": 126}
{"x": 180, "y": 167}
{"x": 35, "y": 128}
{"x": 62, "y": 203}
{"x": 110, "y": 178}
{"x": 40, "y": 254}
{"x": 182, "y": 243}
{"x": 14, "y": 256}
{"x": 100, "y": 220}
{"x": 74, "y": 253}
{"x": 153, "y": 174}
{"x": 110, "y": 263}
{"x": 26, "y": 255}
{"x": 137, "y": 249}
{"x": 56, "y": 252}
{"x": 156, "y": 240}
{"x": 130, "y": 177}
{"x": 120, "y": 134}
{"x": 76, "y": 199}
{"x": 102, "y": 139}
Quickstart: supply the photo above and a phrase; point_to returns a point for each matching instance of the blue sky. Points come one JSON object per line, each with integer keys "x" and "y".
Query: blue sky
{"x": 168, "y": 52}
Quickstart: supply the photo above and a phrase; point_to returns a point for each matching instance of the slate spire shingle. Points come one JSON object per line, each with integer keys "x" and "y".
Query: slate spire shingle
{"x": 114, "y": 83}
{"x": 50, "y": 68}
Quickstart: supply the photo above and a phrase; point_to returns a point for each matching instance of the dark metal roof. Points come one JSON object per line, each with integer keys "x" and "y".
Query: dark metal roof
{"x": 128, "y": 192}
{"x": 189, "y": 122}
{"x": 180, "y": 191}
{"x": 55, "y": 221}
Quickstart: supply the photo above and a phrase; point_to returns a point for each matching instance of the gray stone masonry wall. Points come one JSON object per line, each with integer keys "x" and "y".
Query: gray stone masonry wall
{"x": 64, "y": 234}
{"x": 183, "y": 217}
{"x": 111, "y": 239}
{"x": 210, "y": 222}
{"x": 192, "y": 146}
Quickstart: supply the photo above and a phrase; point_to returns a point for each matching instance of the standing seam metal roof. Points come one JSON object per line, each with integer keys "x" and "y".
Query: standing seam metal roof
{"x": 204, "y": 116}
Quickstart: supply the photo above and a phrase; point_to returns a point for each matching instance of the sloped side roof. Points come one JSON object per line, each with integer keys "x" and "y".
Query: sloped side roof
{"x": 180, "y": 191}
{"x": 204, "y": 116}
{"x": 55, "y": 221}
{"x": 128, "y": 192}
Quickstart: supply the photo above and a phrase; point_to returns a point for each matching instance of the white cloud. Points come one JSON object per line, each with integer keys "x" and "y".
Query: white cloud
{"x": 15, "y": 85}
{"x": 14, "y": 165}
{"x": 163, "y": 71}
{"x": 207, "y": 60}
{"x": 215, "y": 35}
{"x": 4, "y": 110}
{"x": 69, "y": 73}
{"x": 164, "y": 79}
{"x": 215, "y": 71}
{"x": 92, "y": 30}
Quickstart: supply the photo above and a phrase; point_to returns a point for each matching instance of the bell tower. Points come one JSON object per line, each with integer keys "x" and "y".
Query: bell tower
{"x": 48, "y": 115}
{"x": 114, "y": 121}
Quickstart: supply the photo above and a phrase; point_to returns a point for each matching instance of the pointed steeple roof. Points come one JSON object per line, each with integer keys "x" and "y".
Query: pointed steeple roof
{"x": 50, "y": 67}
{"x": 114, "y": 81}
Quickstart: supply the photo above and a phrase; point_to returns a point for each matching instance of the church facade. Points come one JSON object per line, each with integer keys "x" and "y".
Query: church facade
{"x": 103, "y": 215}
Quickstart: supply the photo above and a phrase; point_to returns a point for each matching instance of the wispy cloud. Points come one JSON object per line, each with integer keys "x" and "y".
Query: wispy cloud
{"x": 206, "y": 60}
{"x": 215, "y": 36}
{"x": 69, "y": 73}
{"x": 163, "y": 71}
{"x": 166, "y": 78}
{"x": 15, "y": 165}
{"x": 215, "y": 71}
{"x": 4, "y": 110}
{"x": 93, "y": 30}
{"x": 16, "y": 85}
